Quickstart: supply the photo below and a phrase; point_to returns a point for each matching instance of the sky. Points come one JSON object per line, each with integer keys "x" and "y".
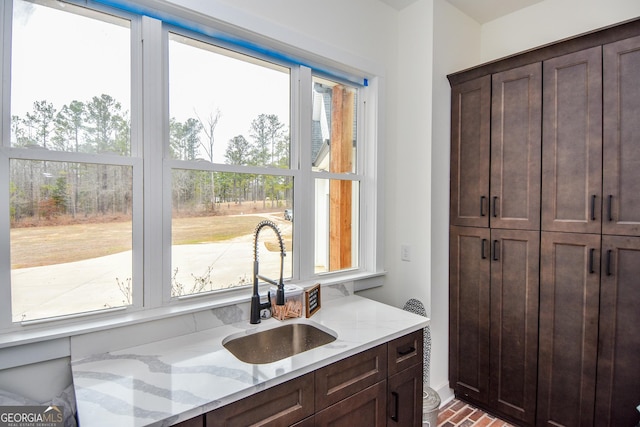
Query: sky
{"x": 96, "y": 59}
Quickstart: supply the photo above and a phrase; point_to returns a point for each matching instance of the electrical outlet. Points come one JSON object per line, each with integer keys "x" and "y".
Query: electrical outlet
{"x": 405, "y": 253}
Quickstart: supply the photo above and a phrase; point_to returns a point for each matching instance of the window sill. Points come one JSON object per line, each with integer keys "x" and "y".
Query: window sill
{"x": 46, "y": 333}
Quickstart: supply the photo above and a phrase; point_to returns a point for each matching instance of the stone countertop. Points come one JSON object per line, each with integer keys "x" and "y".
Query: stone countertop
{"x": 168, "y": 381}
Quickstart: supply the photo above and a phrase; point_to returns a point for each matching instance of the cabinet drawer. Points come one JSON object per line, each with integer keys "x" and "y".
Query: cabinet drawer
{"x": 405, "y": 352}
{"x": 347, "y": 377}
{"x": 282, "y": 405}
{"x": 366, "y": 408}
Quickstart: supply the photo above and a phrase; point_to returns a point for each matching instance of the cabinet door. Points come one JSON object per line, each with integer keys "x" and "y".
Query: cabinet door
{"x": 572, "y": 143}
{"x": 569, "y": 299}
{"x": 281, "y": 405}
{"x": 470, "y": 133}
{"x": 621, "y": 187}
{"x": 469, "y": 312}
{"x": 516, "y": 109}
{"x": 404, "y": 400}
{"x": 365, "y": 408}
{"x": 618, "y": 385}
{"x": 514, "y": 322}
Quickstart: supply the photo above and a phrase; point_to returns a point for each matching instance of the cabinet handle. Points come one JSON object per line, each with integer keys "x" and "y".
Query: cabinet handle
{"x": 483, "y": 249}
{"x": 593, "y": 207}
{"x": 496, "y": 248}
{"x": 406, "y": 350}
{"x": 396, "y": 397}
{"x": 483, "y": 211}
{"x": 609, "y": 262}
{"x": 609, "y": 206}
{"x": 591, "y": 251}
{"x": 495, "y": 206}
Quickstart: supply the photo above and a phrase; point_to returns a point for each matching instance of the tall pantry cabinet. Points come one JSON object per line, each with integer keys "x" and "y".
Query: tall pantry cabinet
{"x": 545, "y": 233}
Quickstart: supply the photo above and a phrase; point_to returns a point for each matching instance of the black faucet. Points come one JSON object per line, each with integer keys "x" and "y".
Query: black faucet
{"x": 256, "y": 306}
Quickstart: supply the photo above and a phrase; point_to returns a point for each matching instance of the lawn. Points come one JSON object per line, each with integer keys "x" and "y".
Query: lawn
{"x": 37, "y": 246}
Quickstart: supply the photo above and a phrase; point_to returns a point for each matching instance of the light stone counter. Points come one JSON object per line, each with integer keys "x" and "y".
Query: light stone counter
{"x": 175, "y": 379}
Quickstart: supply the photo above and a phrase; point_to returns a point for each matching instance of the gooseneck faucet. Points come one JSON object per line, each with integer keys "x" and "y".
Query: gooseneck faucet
{"x": 256, "y": 306}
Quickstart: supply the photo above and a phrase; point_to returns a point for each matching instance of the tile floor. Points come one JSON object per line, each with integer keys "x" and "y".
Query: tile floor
{"x": 461, "y": 414}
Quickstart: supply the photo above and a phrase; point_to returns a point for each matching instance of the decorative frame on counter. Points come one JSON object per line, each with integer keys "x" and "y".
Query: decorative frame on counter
{"x": 312, "y": 300}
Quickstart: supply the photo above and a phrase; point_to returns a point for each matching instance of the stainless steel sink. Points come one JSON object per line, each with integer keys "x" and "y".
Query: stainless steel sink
{"x": 273, "y": 344}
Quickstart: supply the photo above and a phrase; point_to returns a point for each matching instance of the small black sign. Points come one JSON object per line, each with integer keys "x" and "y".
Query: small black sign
{"x": 312, "y": 300}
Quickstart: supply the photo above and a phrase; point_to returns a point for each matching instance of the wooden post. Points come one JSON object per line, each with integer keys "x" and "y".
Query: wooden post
{"x": 340, "y": 191}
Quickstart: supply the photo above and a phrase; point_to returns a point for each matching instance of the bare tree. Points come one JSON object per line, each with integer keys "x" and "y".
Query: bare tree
{"x": 209, "y": 128}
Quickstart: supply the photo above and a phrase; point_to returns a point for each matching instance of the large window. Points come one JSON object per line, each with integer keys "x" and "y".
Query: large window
{"x": 133, "y": 175}
{"x": 230, "y": 109}
{"x": 71, "y": 220}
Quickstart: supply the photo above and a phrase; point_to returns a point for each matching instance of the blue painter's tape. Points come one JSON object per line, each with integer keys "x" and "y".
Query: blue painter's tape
{"x": 131, "y": 7}
{"x": 366, "y": 82}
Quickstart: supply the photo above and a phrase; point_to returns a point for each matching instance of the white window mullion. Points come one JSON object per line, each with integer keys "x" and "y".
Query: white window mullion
{"x": 5, "y": 132}
{"x": 304, "y": 205}
{"x": 153, "y": 88}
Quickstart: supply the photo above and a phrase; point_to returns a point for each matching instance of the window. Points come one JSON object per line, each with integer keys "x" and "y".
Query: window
{"x": 134, "y": 176}
{"x": 232, "y": 109}
{"x": 334, "y": 142}
{"x": 70, "y": 201}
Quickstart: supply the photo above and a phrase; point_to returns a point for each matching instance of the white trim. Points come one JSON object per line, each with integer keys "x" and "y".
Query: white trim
{"x": 152, "y": 168}
{"x": 154, "y": 134}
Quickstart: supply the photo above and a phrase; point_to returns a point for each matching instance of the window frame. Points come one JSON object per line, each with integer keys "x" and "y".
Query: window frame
{"x": 133, "y": 160}
{"x": 152, "y": 165}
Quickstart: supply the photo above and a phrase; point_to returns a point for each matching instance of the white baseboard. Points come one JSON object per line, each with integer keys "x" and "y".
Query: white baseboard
{"x": 445, "y": 393}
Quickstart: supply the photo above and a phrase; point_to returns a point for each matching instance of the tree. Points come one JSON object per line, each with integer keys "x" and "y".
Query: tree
{"x": 266, "y": 130}
{"x": 107, "y": 126}
{"x": 238, "y": 153}
{"x": 41, "y": 121}
{"x": 209, "y": 129}
{"x": 184, "y": 138}
{"x": 19, "y": 136}
{"x": 68, "y": 126}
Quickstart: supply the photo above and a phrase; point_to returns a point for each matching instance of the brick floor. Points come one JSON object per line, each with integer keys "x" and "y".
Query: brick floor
{"x": 461, "y": 414}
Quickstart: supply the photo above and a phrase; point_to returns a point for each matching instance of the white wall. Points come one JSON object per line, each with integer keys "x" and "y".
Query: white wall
{"x": 550, "y": 21}
{"x": 456, "y": 47}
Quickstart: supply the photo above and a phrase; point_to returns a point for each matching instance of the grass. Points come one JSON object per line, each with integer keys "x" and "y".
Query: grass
{"x": 55, "y": 244}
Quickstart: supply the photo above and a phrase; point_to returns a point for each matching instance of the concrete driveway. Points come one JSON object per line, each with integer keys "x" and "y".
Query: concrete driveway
{"x": 40, "y": 292}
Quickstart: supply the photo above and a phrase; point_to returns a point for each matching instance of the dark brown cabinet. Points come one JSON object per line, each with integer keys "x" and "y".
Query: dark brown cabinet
{"x": 543, "y": 314}
{"x": 366, "y": 408}
{"x": 281, "y": 405}
{"x": 342, "y": 379}
{"x": 572, "y": 143}
{"x": 514, "y": 323}
{"x": 405, "y": 364}
{"x": 622, "y": 138}
{"x": 403, "y": 408}
{"x": 378, "y": 387}
{"x": 493, "y": 318}
{"x": 469, "y": 292}
{"x": 516, "y": 110}
{"x": 569, "y": 299}
{"x": 495, "y": 150}
{"x": 618, "y": 381}
{"x": 470, "y": 115}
